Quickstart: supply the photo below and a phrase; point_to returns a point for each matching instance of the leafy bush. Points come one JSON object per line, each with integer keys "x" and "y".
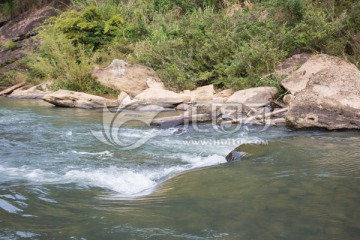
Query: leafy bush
{"x": 90, "y": 27}
{"x": 58, "y": 59}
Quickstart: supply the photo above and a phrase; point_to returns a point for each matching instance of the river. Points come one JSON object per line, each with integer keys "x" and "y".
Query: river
{"x": 58, "y": 181}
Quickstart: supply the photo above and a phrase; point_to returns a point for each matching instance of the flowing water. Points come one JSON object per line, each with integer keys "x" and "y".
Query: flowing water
{"x": 57, "y": 181}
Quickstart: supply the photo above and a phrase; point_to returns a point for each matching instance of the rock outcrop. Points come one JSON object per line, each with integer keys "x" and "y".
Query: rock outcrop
{"x": 158, "y": 96}
{"x": 291, "y": 64}
{"x": 20, "y": 31}
{"x": 127, "y": 77}
{"x": 65, "y": 98}
{"x": 202, "y": 94}
{"x": 254, "y": 97}
{"x": 327, "y": 94}
{"x": 298, "y": 79}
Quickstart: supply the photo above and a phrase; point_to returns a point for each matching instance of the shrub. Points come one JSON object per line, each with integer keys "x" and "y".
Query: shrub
{"x": 68, "y": 66}
{"x": 91, "y": 27}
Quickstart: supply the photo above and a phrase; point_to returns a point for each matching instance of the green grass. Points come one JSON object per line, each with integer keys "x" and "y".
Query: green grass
{"x": 193, "y": 43}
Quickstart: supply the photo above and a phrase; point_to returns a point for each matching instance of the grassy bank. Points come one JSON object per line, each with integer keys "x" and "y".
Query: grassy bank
{"x": 232, "y": 44}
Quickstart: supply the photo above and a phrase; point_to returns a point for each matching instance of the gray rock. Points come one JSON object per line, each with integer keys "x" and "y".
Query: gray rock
{"x": 330, "y": 100}
{"x": 65, "y": 98}
{"x": 234, "y": 156}
{"x": 156, "y": 96}
{"x": 150, "y": 108}
{"x": 125, "y": 101}
{"x": 9, "y": 90}
{"x": 183, "y": 107}
{"x": 224, "y": 94}
{"x": 254, "y": 97}
{"x": 124, "y": 76}
{"x": 173, "y": 121}
{"x": 169, "y": 122}
{"x": 288, "y": 98}
{"x": 299, "y": 79}
{"x": 203, "y": 94}
{"x": 31, "y": 92}
{"x": 291, "y": 64}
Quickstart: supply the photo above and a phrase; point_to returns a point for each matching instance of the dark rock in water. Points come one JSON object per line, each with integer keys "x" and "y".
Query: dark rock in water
{"x": 173, "y": 121}
{"x": 249, "y": 149}
{"x": 168, "y": 122}
{"x": 234, "y": 156}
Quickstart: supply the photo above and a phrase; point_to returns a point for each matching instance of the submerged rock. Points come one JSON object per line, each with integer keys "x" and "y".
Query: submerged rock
{"x": 169, "y": 122}
{"x": 247, "y": 150}
{"x": 234, "y": 156}
{"x": 173, "y": 121}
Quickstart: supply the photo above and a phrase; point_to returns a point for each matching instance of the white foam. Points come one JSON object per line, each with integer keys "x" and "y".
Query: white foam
{"x": 197, "y": 161}
{"x": 127, "y": 183}
{"x": 122, "y": 181}
{"x": 104, "y": 153}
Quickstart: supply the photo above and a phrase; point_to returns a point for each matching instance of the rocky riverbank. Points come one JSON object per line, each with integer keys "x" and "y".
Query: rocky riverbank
{"x": 322, "y": 92}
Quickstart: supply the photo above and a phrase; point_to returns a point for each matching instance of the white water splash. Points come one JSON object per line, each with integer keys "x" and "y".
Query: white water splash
{"x": 127, "y": 183}
{"x": 102, "y": 154}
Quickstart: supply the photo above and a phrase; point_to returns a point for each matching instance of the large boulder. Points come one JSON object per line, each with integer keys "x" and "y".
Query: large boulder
{"x": 125, "y": 101}
{"x": 124, "y": 76}
{"x": 199, "y": 95}
{"x": 159, "y": 96}
{"x": 224, "y": 94}
{"x": 297, "y": 80}
{"x": 291, "y": 64}
{"x": 65, "y": 98}
{"x": 254, "y": 97}
{"x": 203, "y": 94}
{"x": 331, "y": 98}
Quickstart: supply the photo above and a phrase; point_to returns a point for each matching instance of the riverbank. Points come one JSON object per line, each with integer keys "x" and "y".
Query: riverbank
{"x": 322, "y": 91}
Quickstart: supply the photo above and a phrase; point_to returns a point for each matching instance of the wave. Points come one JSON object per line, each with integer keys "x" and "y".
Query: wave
{"x": 126, "y": 183}
{"x": 102, "y": 154}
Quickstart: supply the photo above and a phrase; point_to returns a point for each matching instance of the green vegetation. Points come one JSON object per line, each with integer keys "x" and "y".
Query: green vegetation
{"x": 10, "y": 45}
{"x": 233, "y": 44}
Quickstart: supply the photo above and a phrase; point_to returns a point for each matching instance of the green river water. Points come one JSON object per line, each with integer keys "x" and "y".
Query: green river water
{"x": 57, "y": 181}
